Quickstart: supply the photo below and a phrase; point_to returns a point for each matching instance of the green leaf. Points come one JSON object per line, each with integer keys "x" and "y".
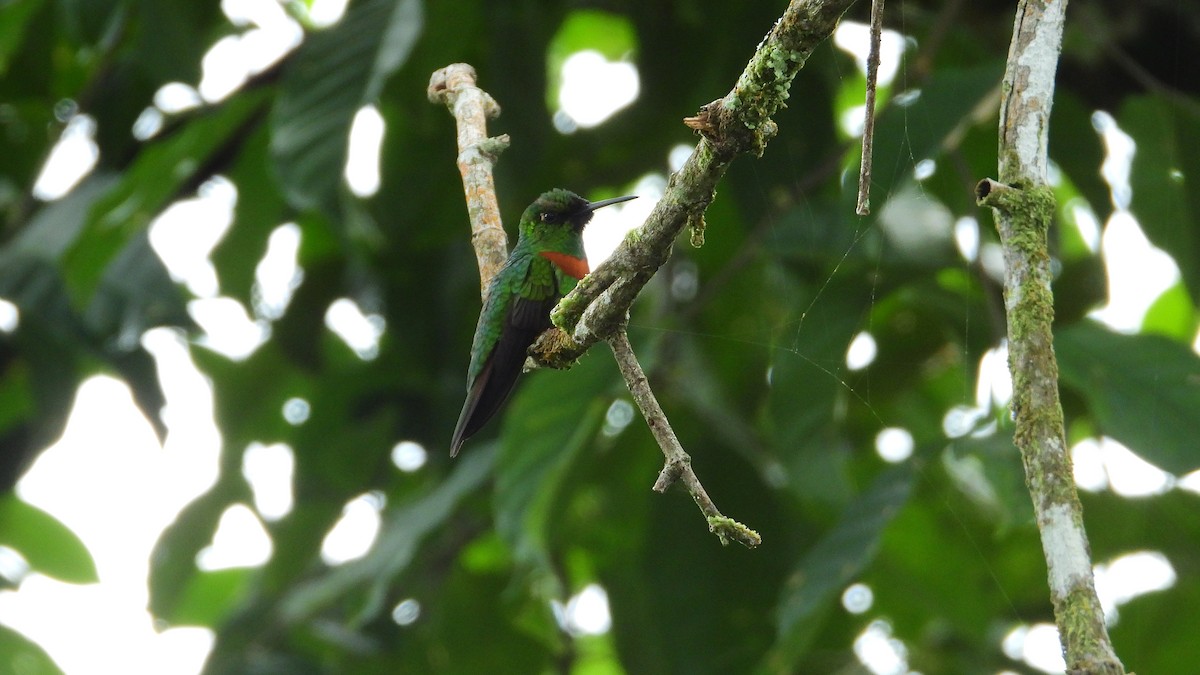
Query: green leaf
{"x": 56, "y": 227}
{"x": 833, "y": 563}
{"x": 989, "y": 473}
{"x": 806, "y": 388}
{"x": 173, "y": 574}
{"x": 16, "y": 395}
{"x": 164, "y": 171}
{"x": 21, "y": 656}
{"x": 1164, "y": 179}
{"x": 1155, "y": 631}
{"x": 134, "y": 294}
{"x": 13, "y": 18}
{"x": 87, "y": 21}
{"x": 911, "y": 131}
{"x": 172, "y": 36}
{"x": 250, "y": 394}
{"x": 610, "y": 34}
{"x": 1143, "y": 390}
{"x": 48, "y": 367}
{"x": 140, "y": 371}
{"x": 258, "y": 212}
{"x": 333, "y": 74}
{"x": 46, "y": 544}
{"x": 468, "y": 606}
{"x": 1078, "y": 150}
{"x": 210, "y": 597}
{"x": 1172, "y": 315}
{"x": 932, "y": 552}
{"x": 396, "y": 547}
{"x": 547, "y": 425}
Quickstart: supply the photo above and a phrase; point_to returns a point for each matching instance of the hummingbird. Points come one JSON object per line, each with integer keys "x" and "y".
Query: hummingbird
{"x": 544, "y": 266}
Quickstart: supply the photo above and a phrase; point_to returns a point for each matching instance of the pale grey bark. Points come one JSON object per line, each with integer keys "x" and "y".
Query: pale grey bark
{"x": 1023, "y": 205}
{"x": 471, "y": 106}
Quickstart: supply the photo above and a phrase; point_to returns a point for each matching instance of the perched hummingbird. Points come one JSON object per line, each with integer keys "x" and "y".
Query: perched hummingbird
{"x": 544, "y": 265}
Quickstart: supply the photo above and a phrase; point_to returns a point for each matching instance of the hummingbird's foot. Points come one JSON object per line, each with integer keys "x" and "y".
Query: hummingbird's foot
{"x": 554, "y": 349}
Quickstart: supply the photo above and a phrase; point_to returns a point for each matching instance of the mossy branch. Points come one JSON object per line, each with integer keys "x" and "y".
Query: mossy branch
{"x": 740, "y": 123}
{"x": 1023, "y": 206}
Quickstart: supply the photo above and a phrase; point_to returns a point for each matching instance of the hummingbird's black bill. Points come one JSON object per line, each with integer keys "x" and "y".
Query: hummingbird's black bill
{"x": 592, "y": 206}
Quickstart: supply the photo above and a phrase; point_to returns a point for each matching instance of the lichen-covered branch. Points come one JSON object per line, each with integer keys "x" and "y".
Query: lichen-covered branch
{"x": 1023, "y": 205}
{"x": 471, "y": 106}
{"x": 596, "y": 309}
{"x": 737, "y": 124}
{"x": 678, "y": 464}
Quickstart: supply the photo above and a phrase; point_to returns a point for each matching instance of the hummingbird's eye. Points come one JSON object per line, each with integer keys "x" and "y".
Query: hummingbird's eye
{"x": 548, "y": 217}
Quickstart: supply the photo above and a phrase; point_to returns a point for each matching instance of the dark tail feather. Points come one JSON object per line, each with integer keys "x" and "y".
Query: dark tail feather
{"x": 466, "y": 427}
{"x": 489, "y": 392}
{"x": 525, "y": 321}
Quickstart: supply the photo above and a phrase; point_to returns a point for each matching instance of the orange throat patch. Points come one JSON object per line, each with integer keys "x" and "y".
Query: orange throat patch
{"x": 569, "y": 264}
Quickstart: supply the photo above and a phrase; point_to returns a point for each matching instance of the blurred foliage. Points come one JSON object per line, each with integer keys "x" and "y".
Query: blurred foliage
{"x": 745, "y": 338}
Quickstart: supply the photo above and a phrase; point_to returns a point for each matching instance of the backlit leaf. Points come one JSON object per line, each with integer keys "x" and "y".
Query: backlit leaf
{"x": 1143, "y": 390}
{"x": 46, "y": 544}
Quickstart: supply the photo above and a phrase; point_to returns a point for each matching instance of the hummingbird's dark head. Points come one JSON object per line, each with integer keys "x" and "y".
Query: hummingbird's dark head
{"x": 559, "y": 207}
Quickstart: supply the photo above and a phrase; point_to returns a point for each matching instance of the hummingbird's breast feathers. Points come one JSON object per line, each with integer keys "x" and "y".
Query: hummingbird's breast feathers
{"x": 574, "y": 267}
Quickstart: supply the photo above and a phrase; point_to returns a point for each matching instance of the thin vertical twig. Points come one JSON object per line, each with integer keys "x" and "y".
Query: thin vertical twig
{"x": 868, "y": 139}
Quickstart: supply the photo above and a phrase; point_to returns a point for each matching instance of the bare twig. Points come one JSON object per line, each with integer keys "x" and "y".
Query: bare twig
{"x": 1023, "y": 205}
{"x": 678, "y": 465}
{"x": 868, "y": 139}
{"x": 471, "y": 106}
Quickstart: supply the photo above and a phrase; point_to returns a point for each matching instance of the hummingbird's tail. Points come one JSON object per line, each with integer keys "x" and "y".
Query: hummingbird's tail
{"x": 466, "y": 427}
{"x": 490, "y": 390}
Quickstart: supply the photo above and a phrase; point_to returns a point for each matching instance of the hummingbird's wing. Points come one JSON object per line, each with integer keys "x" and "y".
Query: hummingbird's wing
{"x": 525, "y": 319}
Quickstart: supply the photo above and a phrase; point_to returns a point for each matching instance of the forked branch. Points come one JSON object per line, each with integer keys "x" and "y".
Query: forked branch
{"x": 736, "y": 124}
{"x": 678, "y": 464}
